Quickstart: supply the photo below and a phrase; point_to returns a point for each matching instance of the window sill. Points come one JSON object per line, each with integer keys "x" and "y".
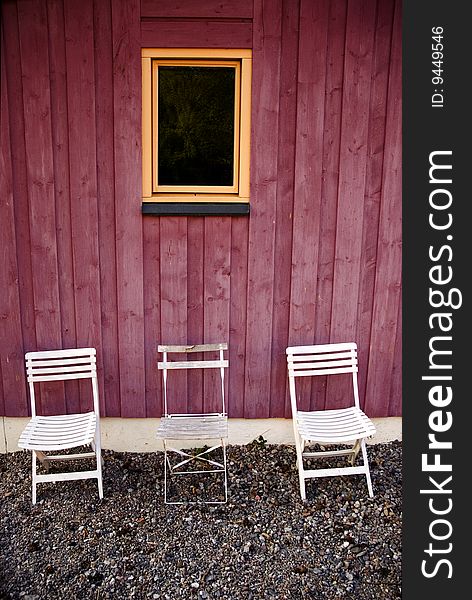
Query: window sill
{"x": 197, "y": 209}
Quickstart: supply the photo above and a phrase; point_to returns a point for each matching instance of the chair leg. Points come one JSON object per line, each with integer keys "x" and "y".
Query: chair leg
{"x": 98, "y": 456}
{"x": 367, "y": 472}
{"x": 302, "y": 483}
{"x": 301, "y": 476}
{"x": 225, "y": 472}
{"x": 92, "y": 443}
{"x": 165, "y": 472}
{"x": 33, "y": 477}
{"x": 43, "y": 459}
{"x": 355, "y": 452}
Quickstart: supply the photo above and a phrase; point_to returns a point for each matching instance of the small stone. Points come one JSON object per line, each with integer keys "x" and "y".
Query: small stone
{"x": 300, "y": 569}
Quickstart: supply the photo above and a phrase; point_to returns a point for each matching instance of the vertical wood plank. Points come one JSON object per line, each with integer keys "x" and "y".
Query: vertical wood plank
{"x": 195, "y": 301}
{"x": 260, "y": 292}
{"x": 237, "y": 316}
{"x": 60, "y": 136}
{"x": 173, "y": 253}
{"x": 2, "y": 403}
{"x": 152, "y": 314}
{"x": 351, "y": 191}
{"x": 329, "y": 184}
{"x": 279, "y": 403}
{"x": 308, "y": 176}
{"x": 395, "y": 403}
{"x": 78, "y": 20}
{"x": 103, "y": 57}
{"x": 388, "y": 274}
{"x": 12, "y": 371}
{"x": 33, "y": 35}
{"x": 373, "y": 185}
{"x": 127, "y": 174}
{"x": 217, "y": 261}
{"x": 14, "y": 90}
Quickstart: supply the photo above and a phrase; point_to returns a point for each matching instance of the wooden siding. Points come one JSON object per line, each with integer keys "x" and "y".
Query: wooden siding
{"x": 317, "y": 260}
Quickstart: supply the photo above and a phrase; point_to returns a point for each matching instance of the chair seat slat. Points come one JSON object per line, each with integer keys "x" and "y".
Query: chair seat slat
{"x": 82, "y": 429}
{"x": 347, "y": 424}
{"x": 60, "y": 419}
{"x": 40, "y": 443}
{"x": 46, "y": 443}
{"x": 39, "y": 434}
{"x": 54, "y": 443}
{"x": 203, "y": 427}
{"x": 83, "y": 433}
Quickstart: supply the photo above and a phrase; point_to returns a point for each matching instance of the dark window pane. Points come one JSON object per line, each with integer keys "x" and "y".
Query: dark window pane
{"x": 196, "y": 125}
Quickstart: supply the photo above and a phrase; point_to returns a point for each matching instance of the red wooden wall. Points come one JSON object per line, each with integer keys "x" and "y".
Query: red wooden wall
{"x": 319, "y": 258}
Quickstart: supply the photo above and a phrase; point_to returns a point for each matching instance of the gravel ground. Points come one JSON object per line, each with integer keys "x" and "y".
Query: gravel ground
{"x": 265, "y": 543}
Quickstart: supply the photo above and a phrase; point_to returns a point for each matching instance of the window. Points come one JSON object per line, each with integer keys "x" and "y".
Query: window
{"x": 196, "y": 129}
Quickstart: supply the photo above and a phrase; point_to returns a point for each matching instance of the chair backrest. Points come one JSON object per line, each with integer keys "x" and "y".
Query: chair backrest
{"x": 61, "y": 365}
{"x": 322, "y": 359}
{"x": 221, "y": 363}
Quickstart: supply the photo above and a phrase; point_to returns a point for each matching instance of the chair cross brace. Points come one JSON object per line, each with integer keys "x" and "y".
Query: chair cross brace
{"x": 194, "y": 457}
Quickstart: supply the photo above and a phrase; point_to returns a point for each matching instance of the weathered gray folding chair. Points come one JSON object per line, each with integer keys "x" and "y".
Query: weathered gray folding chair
{"x": 191, "y": 426}
{"x": 345, "y": 425}
{"x": 63, "y": 431}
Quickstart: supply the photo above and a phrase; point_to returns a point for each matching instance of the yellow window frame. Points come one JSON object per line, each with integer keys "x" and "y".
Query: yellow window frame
{"x": 241, "y": 60}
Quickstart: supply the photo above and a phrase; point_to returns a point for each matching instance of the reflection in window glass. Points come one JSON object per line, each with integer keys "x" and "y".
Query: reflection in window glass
{"x": 196, "y": 125}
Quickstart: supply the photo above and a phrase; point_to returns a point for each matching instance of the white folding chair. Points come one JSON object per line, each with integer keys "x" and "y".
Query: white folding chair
{"x": 59, "y": 432}
{"x": 191, "y": 426}
{"x": 340, "y": 426}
